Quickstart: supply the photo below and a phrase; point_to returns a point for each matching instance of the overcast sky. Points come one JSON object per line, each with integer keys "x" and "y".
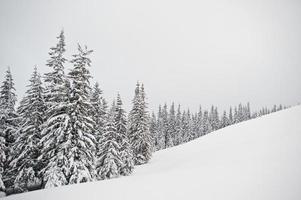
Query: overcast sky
{"x": 188, "y": 51}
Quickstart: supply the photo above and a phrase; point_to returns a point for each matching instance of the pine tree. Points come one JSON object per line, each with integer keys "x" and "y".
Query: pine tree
{"x": 230, "y": 116}
{"x": 199, "y": 122}
{"x": 68, "y": 139}
{"x": 160, "y": 130}
{"x": 206, "y": 126}
{"x": 167, "y": 136}
{"x": 178, "y": 137}
{"x": 8, "y": 127}
{"x": 153, "y": 128}
{"x": 56, "y": 80}
{"x": 224, "y": 121}
{"x": 26, "y": 149}
{"x": 126, "y": 153}
{"x": 98, "y": 112}
{"x": 138, "y": 130}
{"x": 57, "y": 96}
{"x": 109, "y": 158}
{"x": 171, "y": 128}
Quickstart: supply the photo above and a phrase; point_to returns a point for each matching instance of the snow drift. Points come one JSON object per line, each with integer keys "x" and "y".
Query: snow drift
{"x": 257, "y": 159}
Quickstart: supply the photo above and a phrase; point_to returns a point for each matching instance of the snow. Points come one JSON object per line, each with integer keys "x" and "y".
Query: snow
{"x": 256, "y": 159}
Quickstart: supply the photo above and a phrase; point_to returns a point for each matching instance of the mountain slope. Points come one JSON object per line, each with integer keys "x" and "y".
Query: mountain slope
{"x": 257, "y": 159}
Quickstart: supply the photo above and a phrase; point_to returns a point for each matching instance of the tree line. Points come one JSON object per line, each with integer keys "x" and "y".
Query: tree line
{"x": 64, "y": 131}
{"x": 172, "y": 126}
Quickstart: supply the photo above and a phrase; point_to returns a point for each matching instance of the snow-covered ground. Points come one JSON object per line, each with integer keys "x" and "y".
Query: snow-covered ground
{"x": 257, "y": 159}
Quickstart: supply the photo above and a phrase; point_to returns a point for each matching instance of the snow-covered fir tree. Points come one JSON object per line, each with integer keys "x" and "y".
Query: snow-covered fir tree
{"x": 153, "y": 128}
{"x": 171, "y": 128}
{"x": 126, "y": 153}
{"x": 56, "y": 98}
{"x": 224, "y": 120}
{"x": 230, "y": 116}
{"x": 55, "y": 80}
{"x": 8, "y": 126}
{"x": 68, "y": 139}
{"x": 178, "y": 127}
{"x": 109, "y": 157}
{"x": 206, "y": 126}
{"x": 160, "y": 130}
{"x": 26, "y": 147}
{"x": 138, "y": 128}
{"x": 98, "y": 113}
{"x": 164, "y": 118}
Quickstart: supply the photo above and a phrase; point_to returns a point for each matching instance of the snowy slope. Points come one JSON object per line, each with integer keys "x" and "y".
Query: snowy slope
{"x": 257, "y": 159}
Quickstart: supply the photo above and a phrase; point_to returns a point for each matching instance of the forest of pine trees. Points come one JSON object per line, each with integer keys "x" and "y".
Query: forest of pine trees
{"x": 64, "y": 132}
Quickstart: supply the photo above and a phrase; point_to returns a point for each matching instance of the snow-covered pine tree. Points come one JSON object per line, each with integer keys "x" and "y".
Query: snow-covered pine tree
{"x": 8, "y": 125}
{"x": 82, "y": 149}
{"x": 57, "y": 94}
{"x": 55, "y": 80}
{"x": 167, "y": 136}
{"x": 138, "y": 129}
{"x": 199, "y": 122}
{"x": 171, "y": 128}
{"x": 68, "y": 136}
{"x": 153, "y": 128}
{"x": 186, "y": 127}
{"x": 235, "y": 117}
{"x": 230, "y": 116}
{"x": 98, "y": 113}
{"x": 224, "y": 121}
{"x": 109, "y": 157}
{"x": 126, "y": 153}
{"x": 178, "y": 136}
{"x": 160, "y": 130}
{"x": 206, "y": 126}
{"x": 26, "y": 149}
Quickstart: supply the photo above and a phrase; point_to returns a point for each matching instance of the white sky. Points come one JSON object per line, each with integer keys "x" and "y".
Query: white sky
{"x": 190, "y": 51}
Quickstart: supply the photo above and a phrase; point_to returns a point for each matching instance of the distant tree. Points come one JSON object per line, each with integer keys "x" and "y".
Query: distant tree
{"x": 178, "y": 127}
{"x": 171, "y": 128}
{"x": 230, "y": 116}
{"x": 167, "y": 136}
{"x": 160, "y": 130}
{"x": 206, "y": 126}
{"x": 225, "y": 120}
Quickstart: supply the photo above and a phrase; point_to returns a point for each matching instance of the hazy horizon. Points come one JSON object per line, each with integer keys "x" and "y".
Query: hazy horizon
{"x": 190, "y": 52}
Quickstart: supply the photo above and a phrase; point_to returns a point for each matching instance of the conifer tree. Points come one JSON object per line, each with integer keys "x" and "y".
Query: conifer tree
{"x": 206, "y": 126}
{"x": 68, "y": 139}
{"x": 109, "y": 158}
{"x": 8, "y": 125}
{"x": 126, "y": 154}
{"x": 224, "y": 121}
{"x": 230, "y": 116}
{"x": 153, "y": 128}
{"x": 138, "y": 130}
{"x": 98, "y": 113}
{"x": 171, "y": 125}
{"x": 55, "y": 79}
{"x": 160, "y": 130}
{"x": 178, "y": 126}
{"x": 26, "y": 147}
{"x": 167, "y": 136}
